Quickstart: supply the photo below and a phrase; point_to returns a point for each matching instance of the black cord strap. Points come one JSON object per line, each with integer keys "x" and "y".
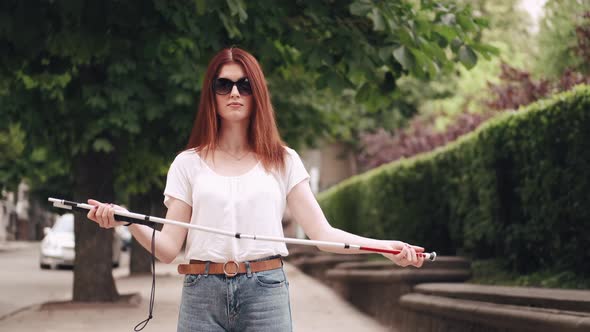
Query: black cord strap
{"x": 141, "y": 325}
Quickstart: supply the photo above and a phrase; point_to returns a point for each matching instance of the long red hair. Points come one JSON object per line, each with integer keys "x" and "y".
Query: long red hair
{"x": 263, "y": 134}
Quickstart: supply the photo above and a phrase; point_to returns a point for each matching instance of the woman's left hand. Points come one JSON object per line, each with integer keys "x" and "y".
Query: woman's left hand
{"x": 409, "y": 254}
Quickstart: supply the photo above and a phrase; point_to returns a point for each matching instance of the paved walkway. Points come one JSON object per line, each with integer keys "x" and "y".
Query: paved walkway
{"x": 315, "y": 307}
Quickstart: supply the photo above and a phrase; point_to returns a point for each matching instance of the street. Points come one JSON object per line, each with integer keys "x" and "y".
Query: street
{"x": 23, "y": 283}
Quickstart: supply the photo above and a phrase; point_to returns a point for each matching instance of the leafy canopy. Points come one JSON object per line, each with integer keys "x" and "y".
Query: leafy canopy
{"x": 122, "y": 77}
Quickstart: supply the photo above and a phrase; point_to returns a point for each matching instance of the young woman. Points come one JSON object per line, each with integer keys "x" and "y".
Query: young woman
{"x": 236, "y": 174}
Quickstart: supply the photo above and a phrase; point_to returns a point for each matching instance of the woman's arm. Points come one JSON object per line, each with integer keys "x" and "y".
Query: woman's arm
{"x": 168, "y": 241}
{"x": 306, "y": 211}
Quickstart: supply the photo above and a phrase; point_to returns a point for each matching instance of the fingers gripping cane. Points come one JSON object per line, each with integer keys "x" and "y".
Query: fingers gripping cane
{"x": 137, "y": 218}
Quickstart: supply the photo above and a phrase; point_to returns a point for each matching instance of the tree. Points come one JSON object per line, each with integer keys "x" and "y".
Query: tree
{"x": 558, "y": 39}
{"x": 12, "y": 145}
{"x": 508, "y": 24}
{"x": 509, "y": 31}
{"x": 107, "y": 88}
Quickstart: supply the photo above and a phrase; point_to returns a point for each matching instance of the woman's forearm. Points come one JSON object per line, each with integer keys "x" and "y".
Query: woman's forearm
{"x": 338, "y": 235}
{"x": 170, "y": 239}
{"x": 166, "y": 248}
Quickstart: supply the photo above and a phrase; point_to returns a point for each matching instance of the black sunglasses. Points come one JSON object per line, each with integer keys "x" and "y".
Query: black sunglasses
{"x": 223, "y": 86}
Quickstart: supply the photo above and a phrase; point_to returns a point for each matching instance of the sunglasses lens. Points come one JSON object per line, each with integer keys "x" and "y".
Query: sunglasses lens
{"x": 222, "y": 86}
{"x": 244, "y": 87}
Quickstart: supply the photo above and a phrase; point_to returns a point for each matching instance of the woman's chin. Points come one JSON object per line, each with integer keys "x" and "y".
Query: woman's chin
{"x": 235, "y": 117}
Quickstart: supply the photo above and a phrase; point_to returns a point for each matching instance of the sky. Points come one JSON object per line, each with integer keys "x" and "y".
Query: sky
{"x": 535, "y": 9}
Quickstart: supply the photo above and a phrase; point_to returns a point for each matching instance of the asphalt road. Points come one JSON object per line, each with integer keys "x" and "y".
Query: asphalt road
{"x": 23, "y": 283}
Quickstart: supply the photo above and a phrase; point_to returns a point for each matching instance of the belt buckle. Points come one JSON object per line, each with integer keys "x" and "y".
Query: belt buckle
{"x": 230, "y": 274}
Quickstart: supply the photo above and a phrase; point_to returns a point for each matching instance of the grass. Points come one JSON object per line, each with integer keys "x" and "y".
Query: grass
{"x": 495, "y": 272}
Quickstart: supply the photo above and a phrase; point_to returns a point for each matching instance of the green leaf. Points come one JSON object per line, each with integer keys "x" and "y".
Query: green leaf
{"x": 447, "y": 32}
{"x": 385, "y": 53}
{"x": 201, "y": 7}
{"x": 433, "y": 50}
{"x": 238, "y": 7}
{"x": 467, "y": 57}
{"x": 29, "y": 82}
{"x": 422, "y": 63}
{"x": 102, "y": 144}
{"x": 425, "y": 64}
{"x": 377, "y": 18}
{"x": 466, "y": 22}
{"x": 39, "y": 155}
{"x": 485, "y": 48}
{"x": 482, "y": 22}
{"x": 404, "y": 57}
{"x": 405, "y": 36}
{"x": 12, "y": 143}
{"x": 363, "y": 94}
{"x": 360, "y": 7}
{"x": 230, "y": 27}
{"x": 97, "y": 102}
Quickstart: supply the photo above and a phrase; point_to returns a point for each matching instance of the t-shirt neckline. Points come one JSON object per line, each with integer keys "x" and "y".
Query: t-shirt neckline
{"x": 227, "y": 176}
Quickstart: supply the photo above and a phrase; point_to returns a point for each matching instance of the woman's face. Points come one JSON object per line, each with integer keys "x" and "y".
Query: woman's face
{"x": 233, "y": 106}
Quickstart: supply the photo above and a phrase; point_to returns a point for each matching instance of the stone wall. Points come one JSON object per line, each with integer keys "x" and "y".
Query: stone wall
{"x": 376, "y": 287}
{"x": 466, "y": 307}
{"x": 316, "y": 263}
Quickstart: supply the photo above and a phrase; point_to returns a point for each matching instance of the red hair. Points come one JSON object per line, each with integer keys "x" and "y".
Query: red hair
{"x": 263, "y": 134}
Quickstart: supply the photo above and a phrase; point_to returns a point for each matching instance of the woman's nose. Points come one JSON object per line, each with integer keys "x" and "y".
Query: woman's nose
{"x": 234, "y": 91}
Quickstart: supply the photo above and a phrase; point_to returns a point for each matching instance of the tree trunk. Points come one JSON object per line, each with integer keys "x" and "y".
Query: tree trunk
{"x": 93, "y": 277}
{"x": 140, "y": 261}
{"x": 151, "y": 204}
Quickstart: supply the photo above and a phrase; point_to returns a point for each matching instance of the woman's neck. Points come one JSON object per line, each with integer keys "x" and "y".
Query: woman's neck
{"x": 233, "y": 138}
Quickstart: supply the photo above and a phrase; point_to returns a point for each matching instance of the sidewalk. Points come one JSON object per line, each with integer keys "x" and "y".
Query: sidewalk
{"x": 6, "y": 246}
{"x": 314, "y": 306}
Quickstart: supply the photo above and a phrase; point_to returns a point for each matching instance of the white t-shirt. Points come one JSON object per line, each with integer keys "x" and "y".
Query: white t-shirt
{"x": 252, "y": 203}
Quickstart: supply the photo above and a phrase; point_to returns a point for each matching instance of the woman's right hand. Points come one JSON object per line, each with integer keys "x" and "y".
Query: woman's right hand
{"x": 409, "y": 254}
{"x": 104, "y": 214}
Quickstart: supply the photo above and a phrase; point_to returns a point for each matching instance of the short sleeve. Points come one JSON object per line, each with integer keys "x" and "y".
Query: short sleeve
{"x": 296, "y": 171}
{"x": 178, "y": 181}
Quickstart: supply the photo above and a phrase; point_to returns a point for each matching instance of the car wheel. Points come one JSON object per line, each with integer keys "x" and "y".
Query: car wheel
{"x": 44, "y": 266}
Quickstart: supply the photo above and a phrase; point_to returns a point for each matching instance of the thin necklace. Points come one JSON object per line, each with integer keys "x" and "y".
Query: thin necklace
{"x": 233, "y": 156}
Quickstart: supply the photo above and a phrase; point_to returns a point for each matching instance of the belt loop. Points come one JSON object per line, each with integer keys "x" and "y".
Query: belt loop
{"x": 206, "y": 274}
{"x": 248, "y": 269}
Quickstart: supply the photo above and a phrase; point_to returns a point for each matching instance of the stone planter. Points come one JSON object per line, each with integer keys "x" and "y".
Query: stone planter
{"x": 315, "y": 262}
{"x": 467, "y": 307}
{"x": 297, "y": 253}
{"x": 316, "y": 266}
{"x": 376, "y": 287}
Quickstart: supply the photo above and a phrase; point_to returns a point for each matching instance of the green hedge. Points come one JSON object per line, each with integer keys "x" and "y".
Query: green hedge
{"x": 518, "y": 188}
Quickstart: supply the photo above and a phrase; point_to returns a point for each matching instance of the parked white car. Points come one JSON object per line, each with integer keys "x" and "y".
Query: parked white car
{"x": 125, "y": 236}
{"x": 58, "y": 245}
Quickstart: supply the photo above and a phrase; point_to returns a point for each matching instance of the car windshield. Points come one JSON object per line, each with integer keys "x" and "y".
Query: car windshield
{"x": 64, "y": 224}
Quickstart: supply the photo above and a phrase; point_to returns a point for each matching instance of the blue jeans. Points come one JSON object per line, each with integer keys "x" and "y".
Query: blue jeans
{"x": 247, "y": 302}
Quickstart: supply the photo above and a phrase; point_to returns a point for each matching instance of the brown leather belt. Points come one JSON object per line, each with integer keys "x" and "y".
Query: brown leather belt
{"x": 230, "y": 268}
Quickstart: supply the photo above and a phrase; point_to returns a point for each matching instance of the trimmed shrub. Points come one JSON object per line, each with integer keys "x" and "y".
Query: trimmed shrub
{"x": 516, "y": 188}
